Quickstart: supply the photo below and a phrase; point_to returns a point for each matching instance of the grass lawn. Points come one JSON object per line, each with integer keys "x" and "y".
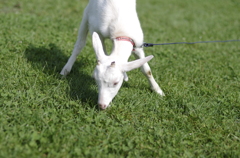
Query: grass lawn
{"x": 44, "y": 115}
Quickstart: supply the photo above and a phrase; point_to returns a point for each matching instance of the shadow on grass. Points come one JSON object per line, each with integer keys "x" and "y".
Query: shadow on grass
{"x": 50, "y": 59}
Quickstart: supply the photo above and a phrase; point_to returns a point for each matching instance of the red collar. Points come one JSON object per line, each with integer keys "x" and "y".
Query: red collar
{"x": 124, "y": 38}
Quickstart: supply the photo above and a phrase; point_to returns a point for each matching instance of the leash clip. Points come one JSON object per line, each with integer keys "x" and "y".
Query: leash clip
{"x": 147, "y": 45}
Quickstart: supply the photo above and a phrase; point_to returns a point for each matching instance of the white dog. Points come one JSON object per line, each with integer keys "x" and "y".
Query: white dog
{"x": 117, "y": 20}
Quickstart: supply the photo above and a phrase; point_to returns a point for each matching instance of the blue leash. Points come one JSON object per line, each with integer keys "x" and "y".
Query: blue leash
{"x": 152, "y": 44}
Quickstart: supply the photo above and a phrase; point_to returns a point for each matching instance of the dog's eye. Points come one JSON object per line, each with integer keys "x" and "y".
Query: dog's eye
{"x": 115, "y": 83}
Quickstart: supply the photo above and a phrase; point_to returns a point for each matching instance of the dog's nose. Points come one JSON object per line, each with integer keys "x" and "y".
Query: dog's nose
{"x": 102, "y": 106}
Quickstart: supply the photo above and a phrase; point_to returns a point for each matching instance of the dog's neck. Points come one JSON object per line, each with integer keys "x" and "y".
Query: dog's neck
{"x": 122, "y": 49}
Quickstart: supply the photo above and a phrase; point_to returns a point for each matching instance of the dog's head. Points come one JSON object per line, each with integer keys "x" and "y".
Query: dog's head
{"x": 109, "y": 72}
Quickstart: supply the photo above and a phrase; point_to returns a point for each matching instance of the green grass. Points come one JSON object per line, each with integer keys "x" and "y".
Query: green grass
{"x": 43, "y": 115}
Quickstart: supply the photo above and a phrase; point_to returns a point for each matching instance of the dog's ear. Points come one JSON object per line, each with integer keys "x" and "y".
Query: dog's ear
{"x": 98, "y": 48}
{"x": 135, "y": 64}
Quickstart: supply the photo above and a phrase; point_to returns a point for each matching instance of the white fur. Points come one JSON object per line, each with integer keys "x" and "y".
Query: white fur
{"x": 111, "y": 19}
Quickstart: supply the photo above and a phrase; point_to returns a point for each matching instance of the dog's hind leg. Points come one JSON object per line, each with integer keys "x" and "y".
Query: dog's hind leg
{"x": 139, "y": 53}
{"x": 80, "y": 43}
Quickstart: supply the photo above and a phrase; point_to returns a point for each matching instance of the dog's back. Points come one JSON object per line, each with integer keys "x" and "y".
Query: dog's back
{"x": 114, "y": 18}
